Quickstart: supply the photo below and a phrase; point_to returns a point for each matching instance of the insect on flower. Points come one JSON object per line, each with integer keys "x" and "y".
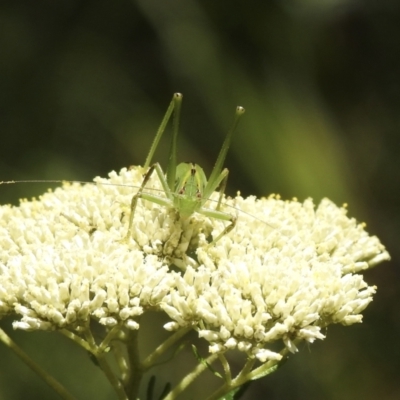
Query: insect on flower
{"x": 185, "y": 185}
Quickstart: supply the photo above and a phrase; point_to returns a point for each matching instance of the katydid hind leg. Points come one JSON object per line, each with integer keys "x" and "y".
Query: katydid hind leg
{"x": 168, "y": 182}
{"x": 222, "y": 187}
{"x": 176, "y": 99}
{"x": 215, "y": 173}
{"x": 171, "y": 167}
{"x": 220, "y": 181}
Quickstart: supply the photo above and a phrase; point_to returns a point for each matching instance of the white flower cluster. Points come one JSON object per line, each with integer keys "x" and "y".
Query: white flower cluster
{"x": 285, "y": 271}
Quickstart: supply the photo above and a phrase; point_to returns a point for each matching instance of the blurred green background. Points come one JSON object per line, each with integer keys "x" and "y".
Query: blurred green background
{"x": 84, "y": 85}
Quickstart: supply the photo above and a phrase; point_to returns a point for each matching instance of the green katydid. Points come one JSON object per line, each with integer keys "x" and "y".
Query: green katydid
{"x": 185, "y": 185}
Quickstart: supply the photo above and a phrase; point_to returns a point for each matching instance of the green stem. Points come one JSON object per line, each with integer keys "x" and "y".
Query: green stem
{"x": 100, "y": 357}
{"x": 118, "y": 349}
{"x": 114, "y": 332}
{"x": 118, "y": 337}
{"x": 162, "y": 348}
{"x": 244, "y": 373}
{"x": 263, "y": 370}
{"x": 226, "y": 367}
{"x": 247, "y": 374}
{"x": 136, "y": 369}
{"x": 271, "y": 366}
{"x": 240, "y": 379}
{"x": 82, "y": 342}
{"x": 190, "y": 378}
{"x": 116, "y": 384}
{"x": 55, "y": 385}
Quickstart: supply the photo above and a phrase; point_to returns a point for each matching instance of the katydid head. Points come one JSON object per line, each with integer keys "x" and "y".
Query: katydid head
{"x": 189, "y": 187}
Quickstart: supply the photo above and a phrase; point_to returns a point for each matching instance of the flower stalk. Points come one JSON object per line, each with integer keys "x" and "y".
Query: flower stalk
{"x": 53, "y": 383}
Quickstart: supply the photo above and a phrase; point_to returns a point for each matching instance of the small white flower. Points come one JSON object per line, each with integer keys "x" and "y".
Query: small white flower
{"x": 266, "y": 355}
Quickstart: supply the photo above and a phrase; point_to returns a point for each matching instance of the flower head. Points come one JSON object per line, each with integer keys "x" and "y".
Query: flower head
{"x": 286, "y": 271}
